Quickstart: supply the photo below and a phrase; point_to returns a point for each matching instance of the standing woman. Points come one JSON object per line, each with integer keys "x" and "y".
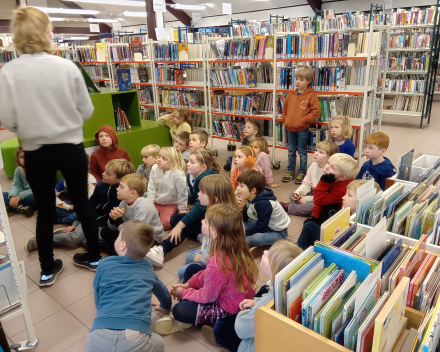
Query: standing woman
{"x": 44, "y": 99}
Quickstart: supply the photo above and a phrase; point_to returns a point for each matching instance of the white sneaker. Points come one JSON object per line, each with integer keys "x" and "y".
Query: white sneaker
{"x": 156, "y": 256}
{"x": 168, "y": 325}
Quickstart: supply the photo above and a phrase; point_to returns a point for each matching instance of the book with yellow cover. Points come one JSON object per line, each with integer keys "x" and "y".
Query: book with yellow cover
{"x": 390, "y": 317}
{"x": 335, "y": 224}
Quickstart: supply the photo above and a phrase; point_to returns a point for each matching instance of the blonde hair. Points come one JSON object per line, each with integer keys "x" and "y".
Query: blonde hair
{"x": 379, "y": 139}
{"x": 135, "y": 182}
{"x": 175, "y": 158}
{"x": 120, "y": 167}
{"x": 227, "y": 221}
{"x": 280, "y": 254}
{"x": 18, "y": 151}
{"x": 185, "y": 116}
{"x": 204, "y": 157}
{"x": 329, "y": 147}
{"x": 347, "y": 130}
{"x": 304, "y": 72}
{"x": 262, "y": 144}
{"x": 150, "y": 150}
{"x": 345, "y": 163}
{"x": 184, "y": 137}
{"x": 29, "y": 26}
{"x": 354, "y": 185}
{"x": 139, "y": 237}
{"x": 218, "y": 186}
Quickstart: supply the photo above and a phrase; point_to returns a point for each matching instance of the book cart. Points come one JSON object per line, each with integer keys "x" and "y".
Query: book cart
{"x": 12, "y": 287}
{"x": 425, "y": 71}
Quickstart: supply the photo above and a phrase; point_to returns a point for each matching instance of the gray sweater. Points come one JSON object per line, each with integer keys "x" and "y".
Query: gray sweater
{"x": 44, "y": 99}
{"x": 141, "y": 210}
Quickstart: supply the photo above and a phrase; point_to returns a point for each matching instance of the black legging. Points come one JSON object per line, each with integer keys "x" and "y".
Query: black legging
{"x": 191, "y": 231}
{"x": 41, "y": 167}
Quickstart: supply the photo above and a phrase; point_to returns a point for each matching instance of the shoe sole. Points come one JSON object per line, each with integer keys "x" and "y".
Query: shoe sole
{"x": 155, "y": 263}
{"x": 208, "y": 334}
{"x": 164, "y": 327}
{"x": 287, "y": 180}
{"x": 26, "y": 249}
{"x": 54, "y": 279}
{"x": 82, "y": 265}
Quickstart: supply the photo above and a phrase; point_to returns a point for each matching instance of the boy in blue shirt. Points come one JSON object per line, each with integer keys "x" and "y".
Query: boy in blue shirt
{"x": 124, "y": 286}
{"x": 377, "y": 166}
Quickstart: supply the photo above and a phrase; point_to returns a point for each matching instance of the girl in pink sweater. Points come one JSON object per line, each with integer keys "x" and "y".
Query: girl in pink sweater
{"x": 229, "y": 277}
{"x": 263, "y": 164}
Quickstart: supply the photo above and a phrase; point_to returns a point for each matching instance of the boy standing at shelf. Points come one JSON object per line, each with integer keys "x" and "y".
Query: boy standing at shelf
{"x": 251, "y": 129}
{"x": 108, "y": 150}
{"x": 377, "y": 166}
{"x": 301, "y": 108}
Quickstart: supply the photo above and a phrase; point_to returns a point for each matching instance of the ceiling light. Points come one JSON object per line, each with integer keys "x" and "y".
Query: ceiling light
{"x": 135, "y": 13}
{"x": 56, "y": 19}
{"x": 188, "y": 7}
{"x": 102, "y": 20}
{"x": 209, "y": 4}
{"x": 113, "y": 2}
{"x": 77, "y": 38}
{"x": 67, "y": 11}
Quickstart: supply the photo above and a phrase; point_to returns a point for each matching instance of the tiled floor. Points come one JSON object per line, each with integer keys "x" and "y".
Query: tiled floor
{"x": 62, "y": 314}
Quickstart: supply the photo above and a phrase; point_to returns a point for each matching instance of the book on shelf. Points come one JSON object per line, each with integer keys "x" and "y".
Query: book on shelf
{"x": 166, "y": 75}
{"x": 295, "y": 24}
{"x": 239, "y": 49}
{"x": 233, "y": 78}
{"x": 407, "y": 103}
{"x": 120, "y": 53}
{"x": 412, "y": 40}
{"x": 405, "y": 83}
{"x": 125, "y": 39}
{"x": 100, "y": 52}
{"x": 7, "y": 55}
{"x": 183, "y": 51}
{"x": 414, "y": 16}
{"x": 86, "y": 54}
{"x": 404, "y": 63}
{"x": 177, "y": 51}
{"x": 248, "y": 104}
{"x": 124, "y": 79}
{"x": 175, "y": 98}
{"x": 145, "y": 96}
{"x": 121, "y": 120}
{"x": 136, "y": 50}
{"x": 328, "y": 21}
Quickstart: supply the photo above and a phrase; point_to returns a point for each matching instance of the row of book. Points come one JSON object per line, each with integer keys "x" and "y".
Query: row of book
{"x": 177, "y": 51}
{"x": 404, "y": 17}
{"x": 64, "y": 53}
{"x": 120, "y": 39}
{"x": 328, "y": 21}
{"x": 86, "y": 54}
{"x": 233, "y": 78}
{"x": 97, "y": 71}
{"x": 237, "y": 49}
{"x": 178, "y": 98}
{"x": 330, "y": 108}
{"x": 408, "y": 84}
{"x": 139, "y": 73}
{"x": 167, "y": 75}
{"x": 235, "y": 104}
{"x": 404, "y": 63}
{"x": 121, "y": 120}
{"x": 145, "y": 96}
{"x": 406, "y": 103}
{"x": 229, "y": 129}
{"x": 296, "y": 24}
{"x": 7, "y": 55}
{"x": 407, "y": 41}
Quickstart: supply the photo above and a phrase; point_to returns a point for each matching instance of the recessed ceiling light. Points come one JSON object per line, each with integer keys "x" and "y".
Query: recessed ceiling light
{"x": 68, "y": 11}
{"x": 102, "y": 20}
{"x": 113, "y": 2}
{"x": 77, "y": 38}
{"x": 135, "y": 13}
{"x": 188, "y": 7}
{"x": 56, "y": 19}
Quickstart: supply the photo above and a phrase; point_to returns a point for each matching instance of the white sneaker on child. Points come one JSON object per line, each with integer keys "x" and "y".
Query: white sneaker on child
{"x": 156, "y": 256}
{"x": 168, "y": 325}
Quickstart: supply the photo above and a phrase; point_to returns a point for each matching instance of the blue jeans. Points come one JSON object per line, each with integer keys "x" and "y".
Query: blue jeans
{"x": 229, "y": 161}
{"x": 28, "y": 201}
{"x": 189, "y": 260}
{"x": 298, "y": 141}
{"x": 265, "y": 238}
{"x": 310, "y": 233}
{"x": 69, "y": 216}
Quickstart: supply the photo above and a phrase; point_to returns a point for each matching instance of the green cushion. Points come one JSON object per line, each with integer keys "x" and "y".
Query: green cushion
{"x": 8, "y": 149}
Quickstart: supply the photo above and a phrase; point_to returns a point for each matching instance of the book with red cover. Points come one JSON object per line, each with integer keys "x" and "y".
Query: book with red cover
{"x": 295, "y": 310}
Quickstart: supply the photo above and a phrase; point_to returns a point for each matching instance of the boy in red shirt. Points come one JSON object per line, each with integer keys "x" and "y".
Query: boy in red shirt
{"x": 327, "y": 196}
{"x": 301, "y": 108}
{"x": 108, "y": 150}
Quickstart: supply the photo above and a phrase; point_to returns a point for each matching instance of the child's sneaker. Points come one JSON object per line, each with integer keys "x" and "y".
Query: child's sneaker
{"x": 10, "y": 210}
{"x": 156, "y": 256}
{"x": 31, "y": 245}
{"x": 28, "y": 210}
{"x": 299, "y": 179}
{"x": 49, "y": 280}
{"x": 83, "y": 260}
{"x": 168, "y": 325}
{"x": 208, "y": 334}
{"x": 288, "y": 177}
{"x": 61, "y": 230}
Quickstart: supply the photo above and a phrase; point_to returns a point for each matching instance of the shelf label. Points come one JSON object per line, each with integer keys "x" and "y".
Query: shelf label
{"x": 117, "y": 26}
{"x": 159, "y": 6}
{"x": 227, "y": 8}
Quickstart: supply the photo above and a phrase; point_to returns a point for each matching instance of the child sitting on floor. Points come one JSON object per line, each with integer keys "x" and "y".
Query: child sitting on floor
{"x": 182, "y": 144}
{"x": 198, "y": 140}
{"x": 167, "y": 189}
{"x": 244, "y": 159}
{"x": 124, "y": 324}
{"x": 20, "y": 199}
{"x": 261, "y": 150}
{"x": 301, "y": 200}
{"x": 149, "y": 155}
{"x": 341, "y": 132}
{"x": 178, "y": 121}
{"x": 229, "y": 277}
{"x": 264, "y": 218}
{"x": 108, "y": 150}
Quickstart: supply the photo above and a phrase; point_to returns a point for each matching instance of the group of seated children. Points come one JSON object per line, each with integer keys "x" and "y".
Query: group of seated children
{"x": 231, "y": 216}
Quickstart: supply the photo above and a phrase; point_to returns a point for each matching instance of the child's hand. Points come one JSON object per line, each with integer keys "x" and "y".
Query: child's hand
{"x": 300, "y": 200}
{"x": 116, "y": 213}
{"x": 197, "y": 257}
{"x": 247, "y": 303}
{"x": 296, "y": 196}
{"x": 156, "y": 305}
{"x": 71, "y": 207}
{"x": 177, "y": 289}
{"x": 175, "y": 234}
{"x": 13, "y": 201}
{"x": 70, "y": 228}
{"x": 275, "y": 185}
